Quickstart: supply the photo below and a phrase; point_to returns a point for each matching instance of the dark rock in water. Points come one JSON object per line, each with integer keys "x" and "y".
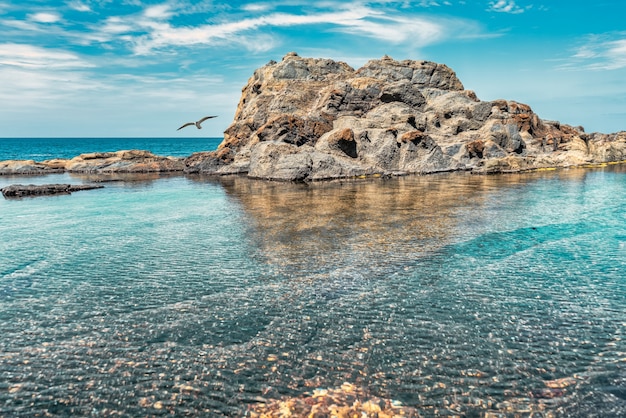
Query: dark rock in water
{"x": 306, "y": 119}
{"x": 21, "y": 190}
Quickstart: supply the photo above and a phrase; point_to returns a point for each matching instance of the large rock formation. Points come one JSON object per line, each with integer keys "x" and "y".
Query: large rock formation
{"x": 311, "y": 119}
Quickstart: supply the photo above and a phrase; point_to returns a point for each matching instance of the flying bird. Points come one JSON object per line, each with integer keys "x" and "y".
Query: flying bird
{"x": 196, "y": 123}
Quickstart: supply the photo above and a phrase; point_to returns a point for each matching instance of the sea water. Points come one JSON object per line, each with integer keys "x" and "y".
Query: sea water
{"x": 40, "y": 149}
{"x": 457, "y": 295}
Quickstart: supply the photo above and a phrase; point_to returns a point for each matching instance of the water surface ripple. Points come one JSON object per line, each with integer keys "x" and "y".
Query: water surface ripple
{"x": 456, "y": 295}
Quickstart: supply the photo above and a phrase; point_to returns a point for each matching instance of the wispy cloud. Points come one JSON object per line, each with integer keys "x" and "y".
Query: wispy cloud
{"x": 30, "y": 56}
{"x": 505, "y": 6}
{"x": 166, "y": 27}
{"x": 159, "y": 12}
{"x": 155, "y": 29}
{"x": 115, "y": 25}
{"x": 79, "y": 6}
{"x": 256, "y": 7}
{"x": 78, "y": 55}
{"x": 600, "y": 52}
{"x": 35, "y": 77}
{"x": 432, "y": 3}
{"x": 45, "y": 17}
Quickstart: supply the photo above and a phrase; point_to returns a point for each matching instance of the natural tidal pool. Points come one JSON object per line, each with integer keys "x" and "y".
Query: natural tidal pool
{"x": 441, "y": 295}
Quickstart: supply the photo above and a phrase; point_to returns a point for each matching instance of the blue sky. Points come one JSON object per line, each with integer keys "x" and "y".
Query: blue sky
{"x": 134, "y": 68}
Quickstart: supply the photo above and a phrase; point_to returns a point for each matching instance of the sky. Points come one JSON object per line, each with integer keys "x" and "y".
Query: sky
{"x": 135, "y": 68}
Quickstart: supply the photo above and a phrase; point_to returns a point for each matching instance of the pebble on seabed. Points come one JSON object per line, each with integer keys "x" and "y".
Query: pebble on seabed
{"x": 346, "y": 401}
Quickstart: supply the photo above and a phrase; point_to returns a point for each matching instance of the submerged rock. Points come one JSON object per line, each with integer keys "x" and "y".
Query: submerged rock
{"x": 20, "y": 190}
{"x": 310, "y": 119}
{"x": 345, "y": 401}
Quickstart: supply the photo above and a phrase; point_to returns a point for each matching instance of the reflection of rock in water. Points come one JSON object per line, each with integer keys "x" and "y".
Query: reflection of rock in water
{"x": 127, "y": 179}
{"x": 324, "y": 227}
{"x": 375, "y": 226}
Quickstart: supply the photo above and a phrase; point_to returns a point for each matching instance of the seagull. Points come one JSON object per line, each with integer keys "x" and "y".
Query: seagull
{"x": 196, "y": 123}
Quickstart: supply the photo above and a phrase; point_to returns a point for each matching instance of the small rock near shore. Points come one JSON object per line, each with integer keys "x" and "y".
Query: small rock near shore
{"x": 21, "y": 190}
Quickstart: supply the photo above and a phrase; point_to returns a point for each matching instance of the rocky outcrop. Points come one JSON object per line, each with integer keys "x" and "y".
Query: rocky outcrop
{"x": 27, "y": 167}
{"x": 20, "y": 190}
{"x": 133, "y": 161}
{"x": 305, "y": 119}
{"x": 311, "y": 119}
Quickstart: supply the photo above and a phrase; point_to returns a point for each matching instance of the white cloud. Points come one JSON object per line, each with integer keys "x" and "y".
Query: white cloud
{"x": 159, "y": 12}
{"x": 348, "y": 18}
{"x": 430, "y": 3}
{"x": 79, "y": 6}
{"x": 30, "y": 56}
{"x": 397, "y": 29}
{"x": 256, "y": 7}
{"x": 80, "y": 102}
{"x": 162, "y": 28}
{"x": 116, "y": 25}
{"x": 45, "y": 17}
{"x": 35, "y": 85}
{"x": 39, "y": 78}
{"x": 616, "y": 54}
{"x": 21, "y": 25}
{"x": 505, "y": 6}
{"x": 600, "y": 52}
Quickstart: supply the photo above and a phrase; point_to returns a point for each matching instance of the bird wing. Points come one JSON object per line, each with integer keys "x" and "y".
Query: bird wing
{"x": 205, "y": 118}
{"x": 187, "y": 124}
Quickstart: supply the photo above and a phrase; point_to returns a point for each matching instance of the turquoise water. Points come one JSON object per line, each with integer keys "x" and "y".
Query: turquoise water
{"x": 40, "y": 149}
{"x": 458, "y": 295}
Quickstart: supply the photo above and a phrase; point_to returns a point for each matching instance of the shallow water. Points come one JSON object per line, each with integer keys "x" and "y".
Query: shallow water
{"x": 453, "y": 294}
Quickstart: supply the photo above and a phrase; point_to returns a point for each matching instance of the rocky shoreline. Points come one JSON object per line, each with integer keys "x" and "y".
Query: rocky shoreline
{"x": 308, "y": 119}
{"x": 128, "y": 161}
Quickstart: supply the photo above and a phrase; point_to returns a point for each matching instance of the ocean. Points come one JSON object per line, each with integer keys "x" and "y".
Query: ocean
{"x": 447, "y": 295}
{"x": 40, "y": 149}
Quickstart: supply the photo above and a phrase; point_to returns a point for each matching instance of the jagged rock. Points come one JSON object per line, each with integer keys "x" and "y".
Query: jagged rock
{"x": 309, "y": 119}
{"x": 20, "y": 190}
